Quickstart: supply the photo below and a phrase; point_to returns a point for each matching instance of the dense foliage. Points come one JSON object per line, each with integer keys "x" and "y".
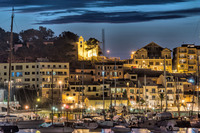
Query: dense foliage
{"x": 34, "y": 47}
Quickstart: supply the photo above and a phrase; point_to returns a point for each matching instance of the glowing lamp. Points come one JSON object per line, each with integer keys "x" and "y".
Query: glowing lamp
{"x": 67, "y": 106}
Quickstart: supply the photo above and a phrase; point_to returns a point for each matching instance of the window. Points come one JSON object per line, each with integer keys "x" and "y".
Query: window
{"x": 153, "y": 90}
{"x": 147, "y": 97}
{"x": 13, "y": 74}
{"x": 98, "y": 67}
{"x": 59, "y": 66}
{"x": 94, "y": 89}
{"x": 42, "y": 65}
{"x": 120, "y": 73}
{"x": 98, "y": 73}
{"x": 19, "y": 74}
{"x": 5, "y": 67}
{"x": 27, "y": 73}
{"x": 136, "y": 62}
{"x": 65, "y": 66}
{"x": 19, "y": 67}
{"x": 153, "y": 97}
{"x": 157, "y": 63}
{"x": 33, "y": 73}
{"x": 33, "y": 66}
{"x": 33, "y": 79}
{"x": 150, "y": 63}
{"x": 67, "y": 94}
{"x": 89, "y": 89}
{"x": 27, "y": 66}
{"x": 97, "y": 94}
{"x": 37, "y": 66}
{"x": 74, "y": 94}
{"x": 54, "y": 66}
{"x": 132, "y": 91}
{"x": 48, "y": 66}
{"x": 12, "y": 67}
{"x": 26, "y": 79}
{"x": 5, "y": 73}
{"x": 133, "y": 77}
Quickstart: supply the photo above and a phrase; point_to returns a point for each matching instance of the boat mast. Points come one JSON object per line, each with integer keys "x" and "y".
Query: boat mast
{"x": 177, "y": 91}
{"x": 145, "y": 84}
{"x": 52, "y": 95}
{"x": 198, "y": 81}
{"x": 165, "y": 85}
{"x": 103, "y": 73}
{"x": 115, "y": 84}
{"x": 10, "y": 61}
{"x": 82, "y": 88}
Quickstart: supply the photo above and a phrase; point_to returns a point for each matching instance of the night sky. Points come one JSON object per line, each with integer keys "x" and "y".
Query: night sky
{"x": 129, "y": 24}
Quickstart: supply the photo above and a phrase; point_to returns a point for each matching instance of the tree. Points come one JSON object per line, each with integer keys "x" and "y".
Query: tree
{"x": 91, "y": 45}
{"x": 64, "y": 47}
{"x": 33, "y": 34}
{"x": 161, "y": 96}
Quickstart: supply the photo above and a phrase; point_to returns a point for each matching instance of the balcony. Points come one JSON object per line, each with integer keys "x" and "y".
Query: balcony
{"x": 182, "y": 51}
{"x": 191, "y": 63}
{"x": 170, "y": 92}
{"x": 191, "y": 52}
{"x": 182, "y": 57}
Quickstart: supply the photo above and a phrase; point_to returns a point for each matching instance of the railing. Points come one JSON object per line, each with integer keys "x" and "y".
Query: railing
{"x": 191, "y": 52}
{"x": 182, "y": 57}
{"x": 182, "y": 51}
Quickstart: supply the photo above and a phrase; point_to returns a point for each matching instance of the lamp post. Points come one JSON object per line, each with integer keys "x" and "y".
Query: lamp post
{"x": 192, "y": 81}
{"x": 108, "y": 52}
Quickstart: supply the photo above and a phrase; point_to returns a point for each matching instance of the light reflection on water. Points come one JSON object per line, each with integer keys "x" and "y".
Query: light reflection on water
{"x": 182, "y": 130}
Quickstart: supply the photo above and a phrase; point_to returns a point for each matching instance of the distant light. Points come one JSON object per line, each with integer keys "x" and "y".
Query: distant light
{"x": 72, "y": 107}
{"x": 108, "y": 51}
{"x": 133, "y": 52}
{"x": 38, "y": 100}
{"x": 60, "y": 82}
{"x": 26, "y": 107}
{"x": 191, "y": 80}
{"x": 56, "y": 109}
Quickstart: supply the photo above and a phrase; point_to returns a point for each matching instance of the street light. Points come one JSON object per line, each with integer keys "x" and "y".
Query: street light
{"x": 108, "y": 52}
{"x": 26, "y": 107}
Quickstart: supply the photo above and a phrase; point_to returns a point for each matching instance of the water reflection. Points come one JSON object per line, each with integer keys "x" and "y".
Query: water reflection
{"x": 182, "y": 130}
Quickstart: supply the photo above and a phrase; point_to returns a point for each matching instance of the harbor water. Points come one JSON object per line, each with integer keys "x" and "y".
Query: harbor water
{"x": 134, "y": 130}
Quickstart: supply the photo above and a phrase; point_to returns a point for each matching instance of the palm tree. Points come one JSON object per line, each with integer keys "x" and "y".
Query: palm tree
{"x": 161, "y": 95}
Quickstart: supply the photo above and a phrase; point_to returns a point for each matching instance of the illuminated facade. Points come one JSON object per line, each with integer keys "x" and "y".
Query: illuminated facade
{"x": 152, "y": 57}
{"x": 86, "y": 52}
{"x": 38, "y": 76}
{"x": 185, "y": 58}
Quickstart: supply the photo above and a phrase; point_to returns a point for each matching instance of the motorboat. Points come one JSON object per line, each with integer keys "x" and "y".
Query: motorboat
{"x": 120, "y": 128}
{"x": 21, "y": 122}
{"x": 86, "y": 123}
{"x": 56, "y": 129}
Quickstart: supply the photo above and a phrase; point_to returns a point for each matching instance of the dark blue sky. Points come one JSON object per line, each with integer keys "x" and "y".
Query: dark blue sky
{"x": 128, "y": 24}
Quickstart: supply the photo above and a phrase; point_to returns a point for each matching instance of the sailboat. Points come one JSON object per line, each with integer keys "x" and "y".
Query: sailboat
{"x": 14, "y": 119}
{"x": 195, "y": 122}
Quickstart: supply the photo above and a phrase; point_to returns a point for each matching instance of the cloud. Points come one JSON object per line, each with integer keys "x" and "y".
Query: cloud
{"x": 71, "y": 4}
{"x": 122, "y": 17}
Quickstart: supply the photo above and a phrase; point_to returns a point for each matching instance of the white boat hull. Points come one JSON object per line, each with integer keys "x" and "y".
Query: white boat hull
{"x": 56, "y": 130}
{"x": 29, "y": 124}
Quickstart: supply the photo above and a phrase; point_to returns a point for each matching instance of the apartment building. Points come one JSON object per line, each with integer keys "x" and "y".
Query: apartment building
{"x": 152, "y": 56}
{"x": 111, "y": 70}
{"x": 38, "y": 76}
{"x": 185, "y": 58}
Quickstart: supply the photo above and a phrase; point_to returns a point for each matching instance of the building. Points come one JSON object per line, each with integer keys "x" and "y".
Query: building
{"x": 86, "y": 52}
{"x": 38, "y": 76}
{"x": 185, "y": 58}
{"x": 111, "y": 70}
{"x": 152, "y": 56}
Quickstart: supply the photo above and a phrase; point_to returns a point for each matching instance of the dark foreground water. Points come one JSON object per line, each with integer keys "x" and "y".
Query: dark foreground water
{"x": 182, "y": 130}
